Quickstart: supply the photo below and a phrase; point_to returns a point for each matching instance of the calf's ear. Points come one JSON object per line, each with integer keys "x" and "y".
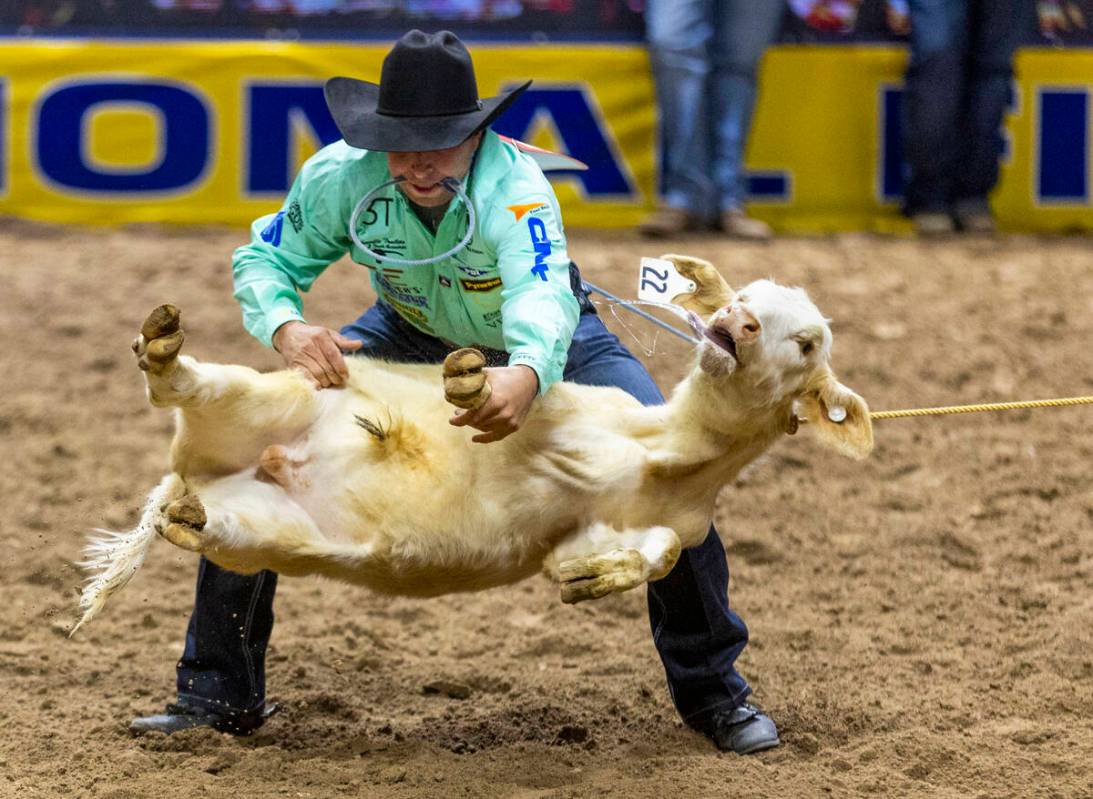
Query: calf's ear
{"x": 712, "y": 291}
{"x": 824, "y": 398}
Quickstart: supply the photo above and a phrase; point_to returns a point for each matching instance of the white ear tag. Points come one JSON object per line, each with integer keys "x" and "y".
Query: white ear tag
{"x": 660, "y": 282}
{"x": 836, "y": 414}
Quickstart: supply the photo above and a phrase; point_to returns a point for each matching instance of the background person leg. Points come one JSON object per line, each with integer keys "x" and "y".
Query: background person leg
{"x": 932, "y": 100}
{"x": 743, "y": 30}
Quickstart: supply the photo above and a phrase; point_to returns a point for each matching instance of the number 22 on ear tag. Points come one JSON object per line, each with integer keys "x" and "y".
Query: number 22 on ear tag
{"x": 660, "y": 282}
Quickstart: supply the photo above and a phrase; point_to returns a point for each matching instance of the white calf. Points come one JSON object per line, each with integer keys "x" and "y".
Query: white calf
{"x": 370, "y": 484}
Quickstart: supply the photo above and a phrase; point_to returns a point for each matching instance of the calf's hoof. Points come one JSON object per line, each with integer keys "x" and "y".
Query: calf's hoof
{"x": 575, "y": 591}
{"x": 465, "y": 384}
{"x": 160, "y": 340}
{"x": 185, "y": 520}
{"x": 597, "y": 576}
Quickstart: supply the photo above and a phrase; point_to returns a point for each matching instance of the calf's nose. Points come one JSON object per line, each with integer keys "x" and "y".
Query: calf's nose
{"x": 742, "y": 325}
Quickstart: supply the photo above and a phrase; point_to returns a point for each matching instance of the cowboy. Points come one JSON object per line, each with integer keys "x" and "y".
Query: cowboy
{"x": 462, "y": 237}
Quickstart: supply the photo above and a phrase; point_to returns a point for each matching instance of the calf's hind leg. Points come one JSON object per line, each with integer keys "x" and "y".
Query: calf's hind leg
{"x": 246, "y": 525}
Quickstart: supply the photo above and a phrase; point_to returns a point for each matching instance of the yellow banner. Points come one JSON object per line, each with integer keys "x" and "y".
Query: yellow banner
{"x": 213, "y": 132}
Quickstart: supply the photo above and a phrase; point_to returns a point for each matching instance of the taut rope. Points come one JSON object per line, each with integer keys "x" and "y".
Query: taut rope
{"x": 992, "y": 406}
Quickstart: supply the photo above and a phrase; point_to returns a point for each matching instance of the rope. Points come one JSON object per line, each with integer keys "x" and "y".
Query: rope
{"x": 646, "y": 316}
{"x": 993, "y": 406}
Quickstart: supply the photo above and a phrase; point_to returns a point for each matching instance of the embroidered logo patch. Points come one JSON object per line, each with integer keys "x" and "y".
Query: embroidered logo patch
{"x": 480, "y": 285}
{"x": 519, "y": 210}
{"x": 272, "y": 233}
{"x": 540, "y": 242}
{"x": 296, "y": 216}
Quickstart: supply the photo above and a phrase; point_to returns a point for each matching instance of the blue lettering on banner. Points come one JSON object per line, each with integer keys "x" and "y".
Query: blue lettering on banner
{"x": 582, "y": 132}
{"x": 273, "y": 109}
{"x": 891, "y": 149}
{"x": 540, "y": 242}
{"x": 3, "y": 132}
{"x": 272, "y": 232}
{"x": 61, "y": 149}
{"x": 768, "y": 186}
{"x": 1063, "y": 136}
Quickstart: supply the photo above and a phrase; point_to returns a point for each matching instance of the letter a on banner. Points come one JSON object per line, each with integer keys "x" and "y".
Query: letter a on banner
{"x": 581, "y": 130}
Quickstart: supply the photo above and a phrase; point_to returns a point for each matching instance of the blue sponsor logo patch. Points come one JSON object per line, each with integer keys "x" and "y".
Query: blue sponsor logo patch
{"x": 540, "y": 242}
{"x": 272, "y": 233}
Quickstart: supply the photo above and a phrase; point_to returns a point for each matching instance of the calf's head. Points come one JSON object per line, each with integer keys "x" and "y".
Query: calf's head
{"x": 772, "y": 345}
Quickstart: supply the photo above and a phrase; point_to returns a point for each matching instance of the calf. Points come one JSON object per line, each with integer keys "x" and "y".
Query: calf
{"x": 371, "y": 485}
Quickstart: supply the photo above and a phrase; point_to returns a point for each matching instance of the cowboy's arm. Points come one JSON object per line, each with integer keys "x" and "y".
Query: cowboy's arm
{"x": 538, "y": 316}
{"x": 538, "y": 310}
{"x": 287, "y": 252}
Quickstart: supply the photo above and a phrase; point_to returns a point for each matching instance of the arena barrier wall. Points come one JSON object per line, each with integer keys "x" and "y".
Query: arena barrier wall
{"x": 190, "y": 132}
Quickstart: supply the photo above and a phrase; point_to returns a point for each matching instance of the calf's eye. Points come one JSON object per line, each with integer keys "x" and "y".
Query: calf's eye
{"x": 806, "y": 347}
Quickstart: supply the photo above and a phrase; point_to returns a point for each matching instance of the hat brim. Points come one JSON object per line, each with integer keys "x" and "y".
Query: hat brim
{"x": 353, "y": 104}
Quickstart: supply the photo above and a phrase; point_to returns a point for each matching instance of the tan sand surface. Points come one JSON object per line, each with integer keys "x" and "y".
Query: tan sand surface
{"x": 921, "y": 622}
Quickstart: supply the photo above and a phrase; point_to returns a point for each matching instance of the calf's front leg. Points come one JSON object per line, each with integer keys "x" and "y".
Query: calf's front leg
{"x": 601, "y": 560}
{"x": 229, "y": 413}
{"x": 465, "y": 384}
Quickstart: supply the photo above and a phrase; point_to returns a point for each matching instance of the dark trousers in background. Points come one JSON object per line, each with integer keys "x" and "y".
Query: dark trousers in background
{"x": 695, "y": 632}
{"x": 957, "y": 87}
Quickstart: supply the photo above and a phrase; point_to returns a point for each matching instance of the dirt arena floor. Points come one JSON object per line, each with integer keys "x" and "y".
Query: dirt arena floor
{"x": 921, "y": 621}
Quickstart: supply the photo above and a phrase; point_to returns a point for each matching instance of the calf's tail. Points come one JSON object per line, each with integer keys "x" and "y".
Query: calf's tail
{"x": 113, "y": 558}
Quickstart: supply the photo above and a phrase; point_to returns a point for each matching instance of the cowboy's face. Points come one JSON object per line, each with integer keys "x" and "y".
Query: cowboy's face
{"x": 424, "y": 170}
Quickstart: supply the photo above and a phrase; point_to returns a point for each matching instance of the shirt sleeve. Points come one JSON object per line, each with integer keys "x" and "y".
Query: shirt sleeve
{"x": 287, "y": 251}
{"x": 538, "y": 310}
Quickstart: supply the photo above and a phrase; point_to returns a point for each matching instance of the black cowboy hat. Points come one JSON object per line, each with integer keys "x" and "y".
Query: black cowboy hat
{"x": 427, "y": 98}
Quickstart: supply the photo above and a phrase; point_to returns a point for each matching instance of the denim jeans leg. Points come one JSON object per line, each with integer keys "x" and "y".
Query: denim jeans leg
{"x": 934, "y": 93}
{"x": 387, "y": 335}
{"x": 223, "y": 663}
{"x": 742, "y": 32}
{"x": 679, "y": 33}
{"x": 996, "y": 30}
{"x": 697, "y": 635}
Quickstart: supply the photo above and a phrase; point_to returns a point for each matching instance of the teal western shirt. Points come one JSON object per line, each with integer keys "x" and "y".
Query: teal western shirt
{"x": 508, "y": 289}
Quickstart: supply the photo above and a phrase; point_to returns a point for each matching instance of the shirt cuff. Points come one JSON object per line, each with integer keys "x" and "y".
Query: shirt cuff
{"x": 547, "y": 373}
{"x": 274, "y": 319}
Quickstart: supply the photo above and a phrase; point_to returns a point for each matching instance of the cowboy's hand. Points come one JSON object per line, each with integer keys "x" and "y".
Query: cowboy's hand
{"x": 315, "y": 351}
{"x": 512, "y": 390}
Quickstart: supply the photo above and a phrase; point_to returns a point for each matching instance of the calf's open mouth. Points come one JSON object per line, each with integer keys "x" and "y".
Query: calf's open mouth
{"x": 722, "y": 338}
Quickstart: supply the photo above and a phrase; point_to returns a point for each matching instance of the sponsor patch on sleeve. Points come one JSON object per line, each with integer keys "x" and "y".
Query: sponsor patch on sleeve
{"x": 296, "y": 216}
{"x": 540, "y": 242}
{"x": 272, "y": 232}
{"x": 520, "y": 209}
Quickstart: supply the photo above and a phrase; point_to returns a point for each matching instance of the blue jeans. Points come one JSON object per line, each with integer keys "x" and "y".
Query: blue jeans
{"x": 705, "y": 55}
{"x": 696, "y": 633}
{"x": 957, "y": 88}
